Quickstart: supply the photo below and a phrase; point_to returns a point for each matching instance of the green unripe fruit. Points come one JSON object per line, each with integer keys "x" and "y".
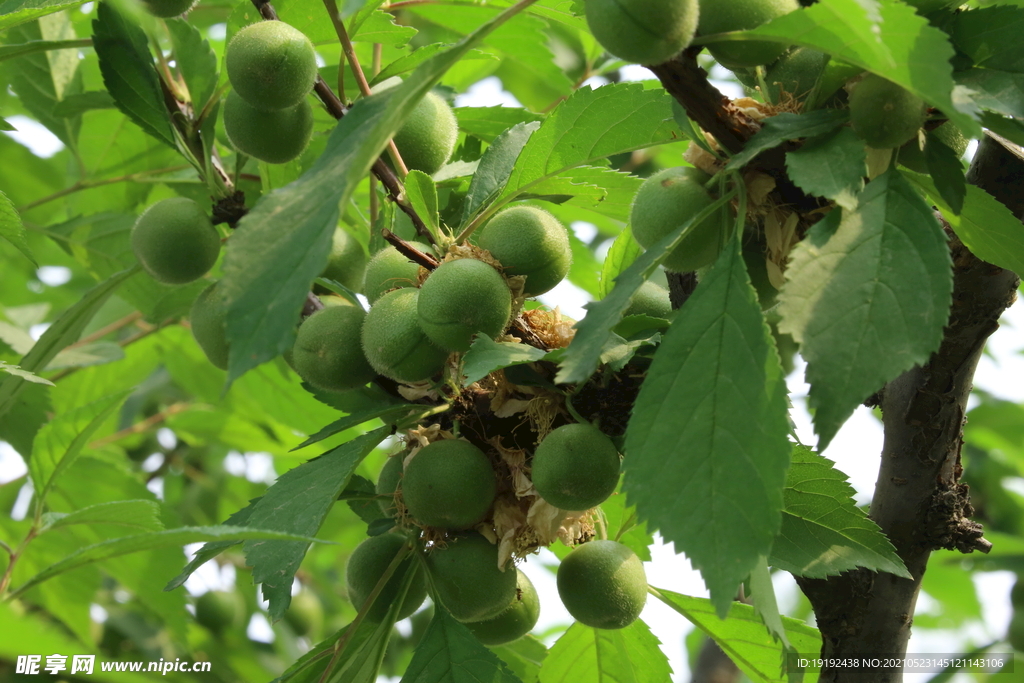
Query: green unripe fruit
{"x": 795, "y": 73}
{"x": 721, "y": 16}
{"x": 516, "y": 621}
{"x": 427, "y": 138}
{"x": 529, "y": 241}
{"x": 165, "y": 9}
{"x": 208, "y": 320}
{"x": 575, "y": 467}
{"x": 276, "y": 136}
{"x": 884, "y": 114}
{"x": 390, "y": 269}
{"x": 643, "y": 31}
{"x": 305, "y": 613}
{"x": 912, "y": 156}
{"x": 449, "y": 484}
{"x": 467, "y": 578}
{"x": 347, "y": 261}
{"x": 664, "y": 202}
{"x": 175, "y": 241}
{"x": 388, "y": 481}
{"x": 603, "y": 584}
{"x": 395, "y": 344}
{"x": 367, "y": 565}
{"x": 462, "y": 298}
{"x": 272, "y": 66}
{"x": 327, "y": 352}
{"x": 651, "y": 299}
{"x": 220, "y": 610}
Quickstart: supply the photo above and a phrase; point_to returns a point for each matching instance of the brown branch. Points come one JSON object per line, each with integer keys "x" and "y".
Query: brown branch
{"x": 410, "y": 252}
{"x": 143, "y": 426}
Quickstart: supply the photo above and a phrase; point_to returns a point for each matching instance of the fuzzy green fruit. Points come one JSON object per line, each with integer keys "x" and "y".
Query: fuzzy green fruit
{"x": 220, "y": 610}
{"x": 208, "y": 319}
{"x": 721, "y": 16}
{"x": 305, "y": 613}
{"x": 449, "y": 484}
{"x": 327, "y": 352}
{"x": 467, "y": 578}
{"x": 529, "y": 241}
{"x": 427, "y": 138}
{"x": 884, "y": 114}
{"x": 388, "y": 481}
{"x": 175, "y": 241}
{"x": 516, "y": 621}
{"x": 367, "y": 565}
{"x": 275, "y": 136}
{"x": 347, "y": 262}
{"x": 165, "y": 9}
{"x": 390, "y": 269}
{"x": 665, "y": 201}
{"x": 575, "y": 467}
{"x": 271, "y": 65}
{"x": 603, "y": 584}
{"x": 795, "y": 73}
{"x": 395, "y": 344}
{"x": 651, "y": 299}
{"x": 912, "y": 156}
{"x": 643, "y": 31}
{"x": 460, "y": 299}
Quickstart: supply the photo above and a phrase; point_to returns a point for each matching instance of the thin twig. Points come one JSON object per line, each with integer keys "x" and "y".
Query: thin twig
{"x": 89, "y": 184}
{"x": 112, "y": 327}
{"x": 144, "y": 426}
{"x": 409, "y": 251}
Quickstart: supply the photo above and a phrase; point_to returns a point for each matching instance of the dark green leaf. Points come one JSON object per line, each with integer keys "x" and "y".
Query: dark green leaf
{"x": 214, "y": 548}
{"x": 422, "y": 194}
{"x": 359, "y": 496}
{"x": 75, "y": 105}
{"x": 495, "y": 168}
{"x": 4, "y": 125}
{"x": 196, "y": 61}
{"x": 591, "y": 655}
{"x": 999, "y": 91}
{"x": 11, "y": 228}
{"x": 485, "y": 356}
{"x": 389, "y": 414}
{"x": 869, "y": 301}
{"x": 449, "y": 653}
{"x": 947, "y": 172}
{"x": 784, "y": 127}
{"x": 832, "y": 165}
{"x": 14, "y": 12}
{"x": 991, "y": 37}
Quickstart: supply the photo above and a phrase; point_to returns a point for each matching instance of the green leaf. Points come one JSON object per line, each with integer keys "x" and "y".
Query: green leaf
{"x": 195, "y": 60}
{"x": 1011, "y": 129}
{"x": 765, "y": 603}
{"x": 589, "y": 655}
{"x": 128, "y": 72}
{"x": 999, "y": 91}
{"x": 832, "y": 165}
{"x": 524, "y": 657}
{"x": 784, "y": 127}
{"x": 495, "y": 168}
{"x": 24, "y": 374}
{"x": 947, "y": 172}
{"x": 271, "y": 263}
{"x": 14, "y": 12}
{"x": 485, "y": 356}
{"x": 422, "y": 194}
{"x": 5, "y": 125}
{"x": 65, "y": 330}
{"x": 33, "y": 46}
{"x": 824, "y": 533}
{"x": 625, "y": 526}
{"x": 869, "y": 301}
{"x": 214, "y": 548}
{"x": 298, "y": 503}
{"x": 487, "y": 123}
{"x": 389, "y": 414}
{"x": 79, "y": 103}
{"x": 623, "y": 252}
{"x": 991, "y": 37}
{"x": 380, "y": 27}
{"x": 141, "y": 514}
{"x": 157, "y": 539}
{"x": 985, "y": 226}
{"x": 12, "y": 230}
{"x": 449, "y": 653}
{"x": 706, "y": 468}
{"x": 410, "y": 61}
{"x": 602, "y": 190}
{"x": 743, "y": 637}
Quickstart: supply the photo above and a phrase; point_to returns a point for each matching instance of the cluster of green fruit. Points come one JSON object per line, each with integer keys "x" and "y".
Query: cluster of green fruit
{"x": 220, "y": 610}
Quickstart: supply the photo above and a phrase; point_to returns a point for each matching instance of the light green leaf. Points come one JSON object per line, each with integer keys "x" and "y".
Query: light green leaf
{"x": 24, "y": 374}
{"x": 32, "y": 46}
{"x": 524, "y": 657}
{"x": 196, "y": 61}
{"x": 590, "y": 655}
{"x": 380, "y": 27}
{"x": 623, "y": 252}
{"x": 487, "y": 123}
{"x": 422, "y": 194}
{"x": 495, "y": 168}
{"x": 599, "y": 189}
{"x": 869, "y": 301}
{"x": 410, "y": 61}
{"x": 626, "y": 527}
{"x": 11, "y": 228}
{"x": 784, "y": 127}
{"x": 765, "y": 603}
{"x": 14, "y": 12}
{"x": 832, "y": 165}
{"x": 824, "y": 533}
{"x": 706, "y": 468}
{"x": 450, "y": 653}
{"x": 141, "y": 514}
{"x": 485, "y": 356}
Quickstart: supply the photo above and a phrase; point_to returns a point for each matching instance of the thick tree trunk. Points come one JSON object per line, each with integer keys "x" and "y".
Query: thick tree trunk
{"x": 919, "y": 501}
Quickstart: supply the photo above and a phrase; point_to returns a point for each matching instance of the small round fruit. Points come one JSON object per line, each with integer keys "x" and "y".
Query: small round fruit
{"x": 175, "y": 241}
{"x": 347, "y": 261}
{"x": 327, "y": 353}
{"x": 208, "y": 320}
{"x": 462, "y": 298}
{"x": 721, "y": 16}
{"x": 516, "y": 621}
{"x": 305, "y": 613}
{"x": 449, "y": 484}
{"x": 219, "y": 610}
{"x": 664, "y": 202}
{"x": 603, "y": 584}
{"x": 427, "y": 138}
{"x": 395, "y": 344}
{"x": 390, "y": 269}
{"x": 272, "y": 66}
{"x": 529, "y": 241}
{"x": 795, "y": 73}
{"x": 276, "y": 136}
{"x": 367, "y": 565}
{"x": 467, "y": 578}
{"x": 651, "y": 299}
{"x": 643, "y": 31}
{"x": 165, "y": 9}
{"x": 388, "y": 481}
{"x": 575, "y": 467}
{"x": 912, "y": 156}
{"x": 884, "y": 114}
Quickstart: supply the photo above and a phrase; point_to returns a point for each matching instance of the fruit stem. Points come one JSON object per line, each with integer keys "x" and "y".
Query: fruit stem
{"x": 409, "y": 251}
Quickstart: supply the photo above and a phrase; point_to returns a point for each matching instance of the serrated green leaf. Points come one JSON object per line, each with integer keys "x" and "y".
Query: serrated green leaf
{"x": 487, "y": 123}
{"x": 380, "y": 27}
{"x": 389, "y": 414}
{"x": 141, "y": 514}
{"x": 450, "y": 653}
{"x": 422, "y": 194}
{"x": 128, "y": 72}
{"x": 832, "y": 165}
{"x": 870, "y": 301}
{"x": 602, "y": 190}
{"x": 214, "y": 548}
{"x": 14, "y": 12}
{"x": 784, "y": 127}
{"x": 195, "y": 61}
{"x": 24, "y": 374}
{"x": 626, "y": 527}
{"x": 999, "y": 91}
{"x": 589, "y": 655}
{"x": 947, "y": 172}
{"x": 765, "y": 603}
{"x": 32, "y": 46}
{"x": 524, "y": 657}
{"x": 991, "y": 37}
{"x": 77, "y": 104}
{"x": 495, "y": 168}
{"x": 485, "y": 356}
{"x": 744, "y": 638}
{"x": 410, "y": 61}
{"x": 623, "y": 252}
{"x": 706, "y": 468}
{"x": 824, "y": 533}
{"x": 985, "y": 226}
{"x": 298, "y": 503}
{"x": 12, "y": 230}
